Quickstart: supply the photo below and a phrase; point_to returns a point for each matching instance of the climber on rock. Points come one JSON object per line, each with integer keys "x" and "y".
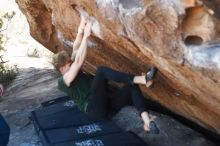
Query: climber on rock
{"x": 93, "y": 95}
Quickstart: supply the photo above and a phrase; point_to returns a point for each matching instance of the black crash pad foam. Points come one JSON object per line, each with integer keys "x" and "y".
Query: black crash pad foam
{"x": 79, "y": 132}
{"x": 59, "y": 115}
{"x": 117, "y": 139}
{"x": 55, "y": 101}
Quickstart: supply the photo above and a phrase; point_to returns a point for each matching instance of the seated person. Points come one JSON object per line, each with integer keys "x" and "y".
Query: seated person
{"x": 92, "y": 95}
{"x": 1, "y": 90}
{"x": 4, "y": 128}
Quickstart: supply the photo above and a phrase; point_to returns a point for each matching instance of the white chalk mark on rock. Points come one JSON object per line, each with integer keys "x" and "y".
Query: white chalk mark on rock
{"x": 205, "y": 56}
{"x": 96, "y": 28}
{"x": 62, "y": 39}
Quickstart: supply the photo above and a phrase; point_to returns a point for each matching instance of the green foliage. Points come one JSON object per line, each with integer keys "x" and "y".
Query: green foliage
{"x": 1, "y": 23}
{"x": 9, "y": 16}
{"x": 7, "y": 73}
{"x": 1, "y": 36}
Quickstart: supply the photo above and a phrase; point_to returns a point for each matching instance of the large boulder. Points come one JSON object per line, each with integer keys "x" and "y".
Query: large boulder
{"x": 180, "y": 37}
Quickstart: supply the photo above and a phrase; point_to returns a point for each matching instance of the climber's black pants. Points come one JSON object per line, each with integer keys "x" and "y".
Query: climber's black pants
{"x": 102, "y": 100}
{"x": 4, "y": 132}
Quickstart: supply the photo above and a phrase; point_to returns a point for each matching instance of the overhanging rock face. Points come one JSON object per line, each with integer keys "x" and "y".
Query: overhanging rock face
{"x": 180, "y": 37}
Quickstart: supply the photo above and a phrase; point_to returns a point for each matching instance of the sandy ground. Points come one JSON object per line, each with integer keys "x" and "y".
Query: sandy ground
{"x": 37, "y": 82}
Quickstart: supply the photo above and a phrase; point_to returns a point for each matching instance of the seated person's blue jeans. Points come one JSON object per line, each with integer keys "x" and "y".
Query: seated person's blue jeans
{"x": 4, "y": 132}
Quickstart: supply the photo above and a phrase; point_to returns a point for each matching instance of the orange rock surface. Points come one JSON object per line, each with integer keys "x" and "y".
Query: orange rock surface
{"x": 131, "y": 35}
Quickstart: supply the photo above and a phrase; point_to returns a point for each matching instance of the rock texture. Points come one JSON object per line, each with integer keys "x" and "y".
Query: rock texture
{"x": 130, "y": 35}
{"x": 172, "y": 132}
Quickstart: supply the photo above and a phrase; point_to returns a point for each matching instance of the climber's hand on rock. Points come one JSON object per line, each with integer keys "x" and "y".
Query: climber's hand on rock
{"x": 87, "y": 30}
{"x": 82, "y": 23}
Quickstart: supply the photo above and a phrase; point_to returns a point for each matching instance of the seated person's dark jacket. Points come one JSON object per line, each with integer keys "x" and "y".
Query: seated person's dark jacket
{"x": 4, "y": 132}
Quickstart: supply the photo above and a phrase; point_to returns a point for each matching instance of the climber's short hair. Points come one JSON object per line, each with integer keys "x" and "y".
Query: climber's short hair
{"x": 60, "y": 59}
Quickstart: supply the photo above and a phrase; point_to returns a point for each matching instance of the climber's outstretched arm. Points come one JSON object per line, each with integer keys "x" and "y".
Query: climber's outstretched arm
{"x": 71, "y": 74}
{"x": 79, "y": 37}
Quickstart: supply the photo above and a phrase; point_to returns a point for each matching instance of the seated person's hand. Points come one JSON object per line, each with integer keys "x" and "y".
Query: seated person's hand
{"x": 1, "y": 89}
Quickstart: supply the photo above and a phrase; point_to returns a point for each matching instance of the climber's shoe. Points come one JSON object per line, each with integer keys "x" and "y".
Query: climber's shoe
{"x": 153, "y": 128}
{"x": 150, "y": 75}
